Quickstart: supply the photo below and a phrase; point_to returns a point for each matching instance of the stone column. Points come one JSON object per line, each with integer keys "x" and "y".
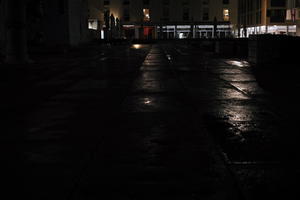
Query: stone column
{"x": 194, "y": 31}
{"x": 298, "y": 28}
{"x": 155, "y": 32}
{"x": 16, "y": 40}
{"x": 136, "y": 32}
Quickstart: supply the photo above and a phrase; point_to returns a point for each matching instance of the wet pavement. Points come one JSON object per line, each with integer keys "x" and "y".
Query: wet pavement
{"x": 161, "y": 121}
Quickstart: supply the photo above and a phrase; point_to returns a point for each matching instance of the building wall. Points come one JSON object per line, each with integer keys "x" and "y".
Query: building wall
{"x": 95, "y": 18}
{"x": 264, "y": 16}
{"x": 176, "y": 8}
{"x": 2, "y": 26}
{"x": 293, "y": 13}
{"x": 78, "y": 21}
{"x": 66, "y": 22}
{"x": 172, "y": 13}
{"x": 55, "y": 22}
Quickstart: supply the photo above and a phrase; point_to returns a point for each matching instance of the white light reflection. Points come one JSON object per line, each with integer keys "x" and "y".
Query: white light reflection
{"x": 147, "y": 102}
{"x": 169, "y": 57}
{"x": 238, "y": 63}
{"x": 136, "y": 46}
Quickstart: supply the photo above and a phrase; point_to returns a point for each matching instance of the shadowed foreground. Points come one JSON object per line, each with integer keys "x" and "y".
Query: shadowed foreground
{"x": 144, "y": 122}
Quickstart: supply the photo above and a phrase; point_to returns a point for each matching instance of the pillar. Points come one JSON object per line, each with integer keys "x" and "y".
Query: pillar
{"x": 298, "y": 28}
{"x": 2, "y": 27}
{"x": 136, "y": 32}
{"x": 155, "y": 32}
{"x": 16, "y": 41}
{"x": 194, "y": 31}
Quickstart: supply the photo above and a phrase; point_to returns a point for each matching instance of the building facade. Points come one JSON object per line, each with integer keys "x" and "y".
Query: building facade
{"x": 64, "y": 22}
{"x": 264, "y": 17}
{"x": 45, "y": 22}
{"x": 293, "y": 14}
{"x": 152, "y": 19}
{"x": 2, "y": 27}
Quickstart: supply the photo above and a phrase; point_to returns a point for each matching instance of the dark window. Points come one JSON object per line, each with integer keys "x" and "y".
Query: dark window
{"x": 205, "y": 2}
{"x": 61, "y": 6}
{"x": 258, "y": 17}
{"x": 126, "y": 2}
{"x": 205, "y": 15}
{"x": 278, "y": 3}
{"x": 166, "y": 11}
{"x": 277, "y": 15}
{"x": 258, "y": 4}
{"x": 297, "y": 3}
{"x": 106, "y": 2}
{"x": 186, "y": 14}
{"x": 146, "y": 2}
{"x": 225, "y": 1}
{"x": 185, "y": 2}
{"x": 166, "y": 2}
{"x": 126, "y": 15}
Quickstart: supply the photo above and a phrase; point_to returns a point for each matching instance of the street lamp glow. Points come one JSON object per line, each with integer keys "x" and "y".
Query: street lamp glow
{"x": 136, "y": 46}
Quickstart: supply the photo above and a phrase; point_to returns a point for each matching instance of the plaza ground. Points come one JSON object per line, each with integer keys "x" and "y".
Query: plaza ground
{"x": 148, "y": 121}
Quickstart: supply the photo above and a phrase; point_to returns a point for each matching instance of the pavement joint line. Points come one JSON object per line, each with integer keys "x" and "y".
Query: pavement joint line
{"x": 270, "y": 106}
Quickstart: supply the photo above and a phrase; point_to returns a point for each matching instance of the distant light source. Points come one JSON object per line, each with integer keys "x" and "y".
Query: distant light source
{"x": 93, "y": 24}
{"x": 146, "y": 15}
{"x": 136, "y": 46}
{"x": 102, "y": 34}
{"x": 226, "y": 14}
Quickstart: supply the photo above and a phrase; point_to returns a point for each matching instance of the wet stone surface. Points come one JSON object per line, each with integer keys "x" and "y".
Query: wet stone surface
{"x": 251, "y": 124}
{"x": 162, "y": 152}
{"x": 163, "y": 121}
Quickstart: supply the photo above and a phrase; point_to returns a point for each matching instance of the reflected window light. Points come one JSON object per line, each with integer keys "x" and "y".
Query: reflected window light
{"x": 238, "y": 63}
{"x": 147, "y": 101}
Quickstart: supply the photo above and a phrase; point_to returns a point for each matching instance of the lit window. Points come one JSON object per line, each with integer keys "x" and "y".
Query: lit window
{"x": 93, "y": 24}
{"x": 226, "y": 14}
{"x": 146, "y": 15}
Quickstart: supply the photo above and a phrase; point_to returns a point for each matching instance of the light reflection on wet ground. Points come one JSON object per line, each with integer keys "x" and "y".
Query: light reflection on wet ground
{"x": 238, "y": 63}
{"x": 241, "y": 116}
{"x": 164, "y": 153}
{"x": 150, "y": 134}
{"x": 227, "y": 93}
